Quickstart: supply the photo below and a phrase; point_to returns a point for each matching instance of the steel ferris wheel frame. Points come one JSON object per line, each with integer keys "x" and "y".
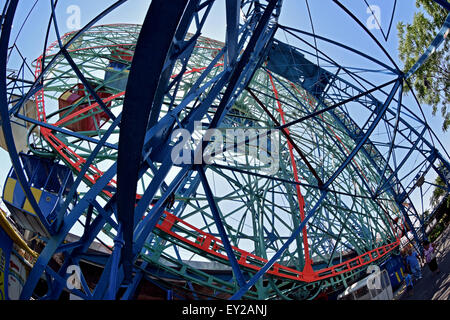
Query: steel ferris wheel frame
{"x": 190, "y": 78}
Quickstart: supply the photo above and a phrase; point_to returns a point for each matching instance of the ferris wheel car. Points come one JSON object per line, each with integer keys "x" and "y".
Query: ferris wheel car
{"x": 49, "y": 183}
{"x": 76, "y": 96}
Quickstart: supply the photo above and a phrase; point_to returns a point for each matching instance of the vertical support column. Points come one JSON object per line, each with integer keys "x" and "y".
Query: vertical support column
{"x": 232, "y": 8}
{"x": 113, "y": 283}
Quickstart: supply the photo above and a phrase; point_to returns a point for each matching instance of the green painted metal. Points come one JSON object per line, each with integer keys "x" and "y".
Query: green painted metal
{"x": 258, "y": 214}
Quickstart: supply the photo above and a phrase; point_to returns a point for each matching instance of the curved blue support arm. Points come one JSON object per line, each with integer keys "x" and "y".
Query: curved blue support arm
{"x": 6, "y": 124}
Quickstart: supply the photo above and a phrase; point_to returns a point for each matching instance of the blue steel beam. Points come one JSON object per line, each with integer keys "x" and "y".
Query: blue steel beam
{"x": 232, "y": 13}
{"x": 395, "y": 194}
{"x": 287, "y": 136}
{"x": 91, "y": 230}
{"x": 199, "y": 111}
{"x": 277, "y": 255}
{"x": 399, "y": 202}
{"x": 334, "y": 106}
{"x": 69, "y": 220}
{"x": 385, "y": 181}
{"x": 103, "y": 283}
{"x": 113, "y": 283}
{"x": 346, "y": 10}
{"x": 219, "y": 224}
{"x": 366, "y": 134}
{"x": 250, "y": 54}
{"x": 6, "y": 124}
{"x": 73, "y": 255}
{"x": 391, "y": 147}
{"x": 408, "y": 125}
{"x": 39, "y": 78}
{"x": 76, "y": 69}
{"x": 85, "y": 168}
{"x": 139, "y": 235}
{"x": 150, "y": 55}
{"x": 435, "y": 44}
{"x": 183, "y": 51}
{"x": 338, "y": 121}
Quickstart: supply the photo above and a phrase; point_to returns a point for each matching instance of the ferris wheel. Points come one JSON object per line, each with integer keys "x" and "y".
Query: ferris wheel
{"x": 237, "y": 165}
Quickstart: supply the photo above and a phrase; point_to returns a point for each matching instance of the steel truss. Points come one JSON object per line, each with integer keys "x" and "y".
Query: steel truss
{"x": 338, "y": 202}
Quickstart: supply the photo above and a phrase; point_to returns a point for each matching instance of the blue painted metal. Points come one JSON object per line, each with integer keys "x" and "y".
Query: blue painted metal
{"x": 394, "y": 174}
{"x": 367, "y": 133}
{"x": 277, "y": 255}
{"x": 113, "y": 285}
{"x": 152, "y": 50}
{"x": 131, "y": 289}
{"x": 54, "y": 182}
{"x": 75, "y": 68}
{"x": 287, "y": 62}
{"x": 84, "y": 169}
{"x": 395, "y": 267}
{"x": 38, "y": 81}
{"x": 116, "y": 76}
{"x": 232, "y": 14}
{"x": 156, "y": 211}
{"x": 69, "y": 220}
{"x": 375, "y": 102}
{"x": 219, "y": 225}
{"x": 391, "y": 147}
{"x": 6, "y": 247}
{"x": 396, "y": 196}
{"x": 6, "y": 125}
{"x": 180, "y": 50}
{"x": 362, "y": 54}
{"x": 363, "y": 26}
{"x": 156, "y": 136}
{"x": 66, "y": 132}
{"x": 245, "y": 66}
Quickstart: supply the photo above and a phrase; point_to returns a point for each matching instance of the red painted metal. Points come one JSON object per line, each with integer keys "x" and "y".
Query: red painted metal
{"x": 308, "y": 270}
{"x": 123, "y": 53}
{"x": 179, "y": 229}
{"x": 311, "y": 103}
{"x": 73, "y": 96}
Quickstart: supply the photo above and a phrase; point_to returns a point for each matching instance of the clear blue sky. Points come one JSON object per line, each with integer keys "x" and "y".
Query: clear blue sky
{"x": 329, "y": 21}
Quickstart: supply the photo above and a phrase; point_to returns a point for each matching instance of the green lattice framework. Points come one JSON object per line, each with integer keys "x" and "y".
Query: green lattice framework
{"x": 258, "y": 212}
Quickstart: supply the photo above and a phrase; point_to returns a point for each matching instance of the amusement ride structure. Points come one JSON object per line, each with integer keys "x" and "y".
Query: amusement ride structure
{"x": 332, "y": 190}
